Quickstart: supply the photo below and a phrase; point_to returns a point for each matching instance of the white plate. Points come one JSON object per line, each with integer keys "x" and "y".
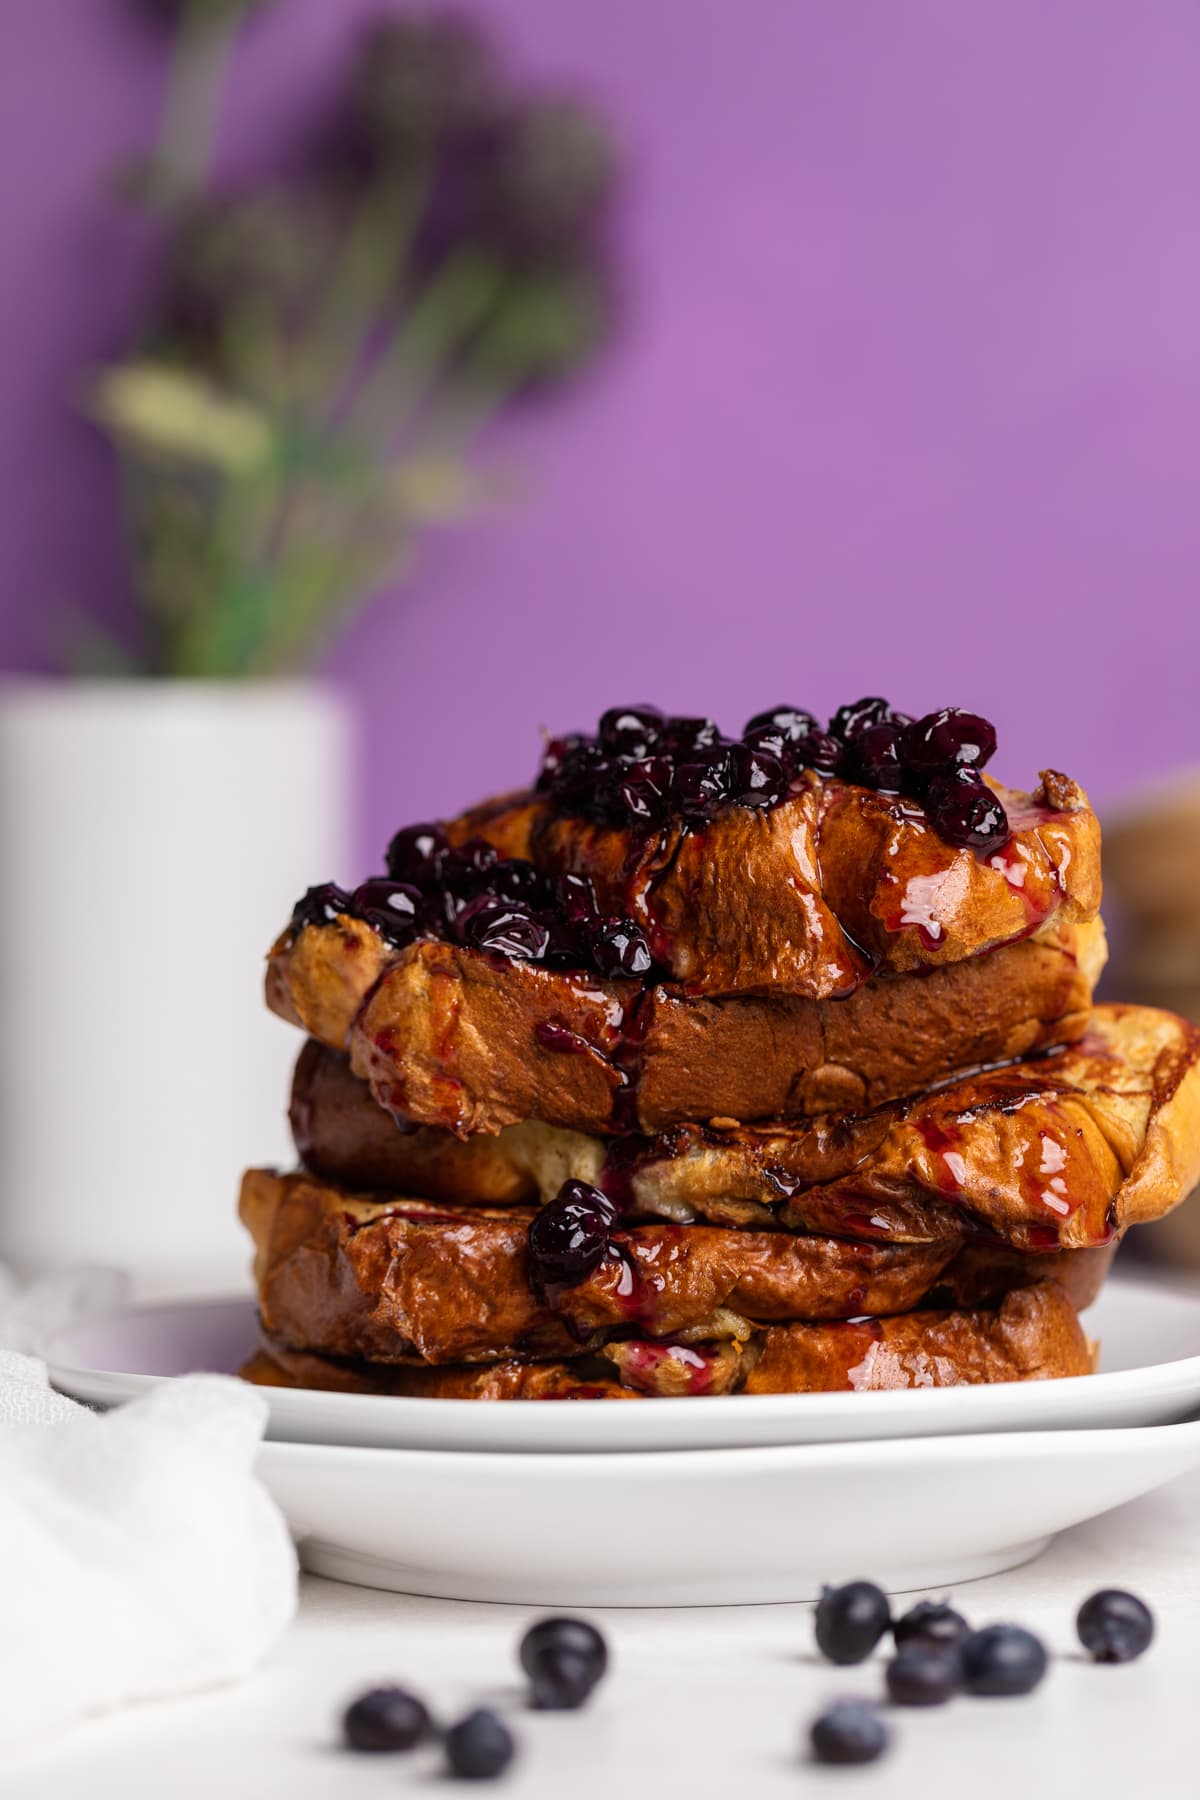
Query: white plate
{"x": 706, "y": 1527}
{"x": 1150, "y": 1365}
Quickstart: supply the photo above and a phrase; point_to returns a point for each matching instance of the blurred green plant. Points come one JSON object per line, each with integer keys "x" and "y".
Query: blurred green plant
{"x": 327, "y": 348}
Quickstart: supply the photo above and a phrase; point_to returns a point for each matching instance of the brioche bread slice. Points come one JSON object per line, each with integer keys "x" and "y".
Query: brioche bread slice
{"x": 1032, "y": 1336}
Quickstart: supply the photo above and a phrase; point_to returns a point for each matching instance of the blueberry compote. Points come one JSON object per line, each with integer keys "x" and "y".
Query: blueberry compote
{"x": 468, "y": 894}
{"x": 643, "y": 768}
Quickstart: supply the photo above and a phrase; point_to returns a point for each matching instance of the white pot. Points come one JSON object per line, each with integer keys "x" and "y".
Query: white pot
{"x": 153, "y": 838}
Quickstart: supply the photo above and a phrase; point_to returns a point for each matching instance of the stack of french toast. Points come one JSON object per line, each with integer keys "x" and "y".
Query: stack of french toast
{"x": 711, "y": 1065}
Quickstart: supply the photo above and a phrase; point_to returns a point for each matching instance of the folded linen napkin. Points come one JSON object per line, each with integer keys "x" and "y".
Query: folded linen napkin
{"x": 139, "y": 1555}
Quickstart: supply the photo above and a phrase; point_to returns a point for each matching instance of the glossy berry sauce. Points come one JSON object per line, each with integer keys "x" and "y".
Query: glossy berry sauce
{"x": 502, "y": 906}
{"x": 642, "y": 769}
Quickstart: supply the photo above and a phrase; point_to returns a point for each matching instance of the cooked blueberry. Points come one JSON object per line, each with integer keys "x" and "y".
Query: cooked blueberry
{"x": 963, "y": 809}
{"x": 1002, "y": 1659}
{"x": 393, "y": 908}
{"x": 848, "y": 721}
{"x": 557, "y": 752}
{"x": 479, "y": 1747}
{"x": 470, "y": 862}
{"x": 771, "y": 739}
{"x": 320, "y": 906}
{"x": 504, "y": 929}
{"x": 645, "y": 789}
{"x": 415, "y": 854}
{"x": 923, "y": 1674}
{"x": 561, "y": 1682}
{"x": 850, "y": 1621}
{"x": 573, "y": 782}
{"x": 386, "y": 1718}
{"x": 759, "y": 779}
{"x": 514, "y": 879}
{"x": 576, "y": 897}
{"x": 682, "y": 737}
{"x": 946, "y": 740}
{"x": 568, "y": 1238}
{"x": 850, "y": 1731}
{"x": 631, "y": 730}
{"x": 1114, "y": 1627}
{"x": 789, "y": 722}
{"x": 875, "y": 757}
{"x": 704, "y": 783}
{"x": 932, "y": 1622}
{"x": 821, "y": 751}
{"x": 564, "y": 1632}
{"x": 618, "y": 947}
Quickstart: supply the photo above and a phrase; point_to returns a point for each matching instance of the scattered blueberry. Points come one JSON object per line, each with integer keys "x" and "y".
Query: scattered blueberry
{"x": 415, "y": 854}
{"x": 513, "y": 879}
{"x": 386, "y": 1718}
{"x": 932, "y": 1622}
{"x": 1002, "y": 1659}
{"x": 563, "y": 1632}
{"x": 963, "y": 809}
{"x": 948, "y": 739}
{"x": 569, "y": 1237}
{"x": 479, "y": 1747}
{"x": 923, "y": 1674}
{"x": 561, "y": 1681}
{"x": 1114, "y": 1627}
{"x": 850, "y": 1731}
{"x": 850, "y": 1621}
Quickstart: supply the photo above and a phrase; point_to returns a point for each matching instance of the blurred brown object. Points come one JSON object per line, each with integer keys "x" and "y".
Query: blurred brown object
{"x": 1152, "y": 877}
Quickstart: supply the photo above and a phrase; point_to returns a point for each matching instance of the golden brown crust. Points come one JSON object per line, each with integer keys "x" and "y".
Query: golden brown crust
{"x": 1061, "y": 1151}
{"x": 1032, "y": 1336}
{"x": 388, "y": 1279}
{"x": 811, "y": 896}
{"x": 451, "y": 1038}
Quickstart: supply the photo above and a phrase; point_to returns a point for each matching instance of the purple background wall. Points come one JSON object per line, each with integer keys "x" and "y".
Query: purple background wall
{"x": 909, "y": 398}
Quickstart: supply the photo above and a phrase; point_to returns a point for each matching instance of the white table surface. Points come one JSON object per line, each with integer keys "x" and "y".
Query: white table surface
{"x": 701, "y": 1702}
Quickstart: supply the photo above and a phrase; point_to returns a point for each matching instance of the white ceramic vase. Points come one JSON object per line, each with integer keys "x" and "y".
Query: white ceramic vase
{"x": 153, "y": 837}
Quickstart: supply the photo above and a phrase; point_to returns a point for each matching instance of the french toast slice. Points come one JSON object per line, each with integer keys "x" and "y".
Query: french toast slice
{"x": 456, "y": 1038}
{"x": 1065, "y": 1149}
{"x": 815, "y": 895}
{"x": 387, "y": 1279}
{"x": 1032, "y": 1335}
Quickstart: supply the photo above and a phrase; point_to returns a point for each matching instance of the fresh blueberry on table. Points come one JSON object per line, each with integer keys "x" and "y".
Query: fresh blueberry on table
{"x": 560, "y": 1681}
{"x": 1114, "y": 1627}
{"x": 479, "y": 1747}
{"x": 385, "y": 1719}
{"x": 923, "y": 1674}
{"x": 850, "y": 1621}
{"x": 562, "y": 1635}
{"x": 932, "y": 1621}
{"x": 1002, "y": 1659}
{"x": 849, "y": 1731}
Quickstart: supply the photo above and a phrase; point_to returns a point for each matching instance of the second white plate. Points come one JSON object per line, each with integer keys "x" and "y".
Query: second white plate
{"x": 1150, "y": 1374}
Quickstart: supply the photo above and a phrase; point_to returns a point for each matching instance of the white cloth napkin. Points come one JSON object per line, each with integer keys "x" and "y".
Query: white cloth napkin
{"x": 139, "y": 1555}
